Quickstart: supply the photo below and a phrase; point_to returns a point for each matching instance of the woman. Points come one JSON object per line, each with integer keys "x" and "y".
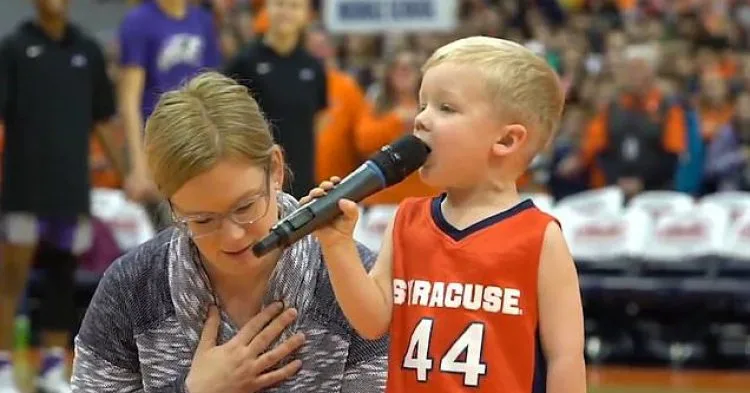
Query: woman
{"x": 212, "y": 156}
{"x": 389, "y": 116}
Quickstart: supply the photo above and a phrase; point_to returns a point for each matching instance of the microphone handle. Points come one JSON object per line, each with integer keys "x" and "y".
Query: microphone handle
{"x": 363, "y": 182}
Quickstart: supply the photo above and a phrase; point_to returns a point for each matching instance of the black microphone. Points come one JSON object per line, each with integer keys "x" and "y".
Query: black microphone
{"x": 389, "y": 166}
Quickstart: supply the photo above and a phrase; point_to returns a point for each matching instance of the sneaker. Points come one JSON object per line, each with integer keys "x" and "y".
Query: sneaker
{"x": 7, "y": 382}
{"x": 53, "y": 377}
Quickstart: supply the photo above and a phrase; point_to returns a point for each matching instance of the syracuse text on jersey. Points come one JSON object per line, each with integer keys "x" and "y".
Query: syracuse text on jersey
{"x": 471, "y": 297}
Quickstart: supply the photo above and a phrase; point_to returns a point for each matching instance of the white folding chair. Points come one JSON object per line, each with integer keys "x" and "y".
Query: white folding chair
{"x": 736, "y": 246}
{"x": 604, "y": 239}
{"x": 738, "y": 202}
{"x": 658, "y": 203}
{"x": 374, "y": 220}
{"x": 608, "y": 200}
{"x": 128, "y": 220}
{"x": 680, "y": 240}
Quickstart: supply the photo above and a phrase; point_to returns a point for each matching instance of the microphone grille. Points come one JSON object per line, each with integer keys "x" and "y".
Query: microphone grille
{"x": 402, "y": 157}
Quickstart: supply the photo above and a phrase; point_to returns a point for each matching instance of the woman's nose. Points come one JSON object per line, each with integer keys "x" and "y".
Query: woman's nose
{"x": 232, "y": 231}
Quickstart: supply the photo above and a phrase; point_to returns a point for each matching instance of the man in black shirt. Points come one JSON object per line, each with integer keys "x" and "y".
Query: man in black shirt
{"x": 289, "y": 85}
{"x": 54, "y": 91}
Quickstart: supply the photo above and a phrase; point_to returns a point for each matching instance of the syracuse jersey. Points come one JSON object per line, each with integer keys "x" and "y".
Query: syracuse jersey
{"x": 465, "y": 301}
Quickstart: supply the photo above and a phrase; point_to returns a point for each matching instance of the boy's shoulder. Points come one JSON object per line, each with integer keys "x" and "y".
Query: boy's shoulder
{"x": 412, "y": 202}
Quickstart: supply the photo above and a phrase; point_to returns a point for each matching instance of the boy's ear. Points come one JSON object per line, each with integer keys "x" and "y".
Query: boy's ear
{"x": 510, "y": 139}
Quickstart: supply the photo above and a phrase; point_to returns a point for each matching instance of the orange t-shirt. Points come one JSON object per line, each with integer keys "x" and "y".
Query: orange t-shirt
{"x": 374, "y": 131}
{"x": 336, "y": 153}
{"x": 465, "y": 314}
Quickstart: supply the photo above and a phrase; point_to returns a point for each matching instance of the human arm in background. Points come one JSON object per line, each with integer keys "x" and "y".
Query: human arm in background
{"x": 366, "y": 299}
{"x": 7, "y": 76}
{"x": 212, "y": 53}
{"x": 561, "y": 315}
{"x": 134, "y": 54}
{"x": 103, "y": 110}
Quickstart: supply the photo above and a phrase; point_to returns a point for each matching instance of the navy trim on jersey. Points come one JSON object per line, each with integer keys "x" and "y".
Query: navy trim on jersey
{"x": 459, "y": 234}
{"x": 540, "y": 367}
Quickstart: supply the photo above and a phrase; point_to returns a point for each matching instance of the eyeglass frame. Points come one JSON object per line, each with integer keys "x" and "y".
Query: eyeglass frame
{"x": 182, "y": 222}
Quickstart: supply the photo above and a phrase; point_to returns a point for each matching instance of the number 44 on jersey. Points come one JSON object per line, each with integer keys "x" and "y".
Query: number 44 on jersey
{"x": 469, "y": 343}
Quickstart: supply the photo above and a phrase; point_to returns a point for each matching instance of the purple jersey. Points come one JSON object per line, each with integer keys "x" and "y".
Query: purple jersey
{"x": 169, "y": 50}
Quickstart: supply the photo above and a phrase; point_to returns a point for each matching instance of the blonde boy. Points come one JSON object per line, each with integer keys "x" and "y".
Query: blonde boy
{"x": 477, "y": 288}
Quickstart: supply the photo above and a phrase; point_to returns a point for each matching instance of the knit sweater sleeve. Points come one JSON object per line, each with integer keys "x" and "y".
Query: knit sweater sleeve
{"x": 106, "y": 355}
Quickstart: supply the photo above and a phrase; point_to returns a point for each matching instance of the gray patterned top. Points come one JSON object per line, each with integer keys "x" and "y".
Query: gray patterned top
{"x": 143, "y": 324}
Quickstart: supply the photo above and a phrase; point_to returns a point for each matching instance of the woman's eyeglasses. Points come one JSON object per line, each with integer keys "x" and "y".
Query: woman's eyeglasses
{"x": 245, "y": 213}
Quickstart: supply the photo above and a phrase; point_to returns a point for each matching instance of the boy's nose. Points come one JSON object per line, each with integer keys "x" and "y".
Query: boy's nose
{"x": 421, "y": 122}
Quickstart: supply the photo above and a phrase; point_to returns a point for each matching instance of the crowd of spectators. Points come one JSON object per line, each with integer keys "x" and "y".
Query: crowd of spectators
{"x": 688, "y": 58}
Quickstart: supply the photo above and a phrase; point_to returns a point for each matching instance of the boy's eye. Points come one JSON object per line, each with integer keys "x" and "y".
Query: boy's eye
{"x": 446, "y": 108}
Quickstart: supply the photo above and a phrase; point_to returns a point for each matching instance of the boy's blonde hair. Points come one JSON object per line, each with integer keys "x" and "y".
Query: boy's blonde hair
{"x": 191, "y": 129}
{"x": 524, "y": 88}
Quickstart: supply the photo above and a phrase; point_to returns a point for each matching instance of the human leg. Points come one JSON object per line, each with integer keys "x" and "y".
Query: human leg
{"x": 62, "y": 240}
{"x": 17, "y": 250}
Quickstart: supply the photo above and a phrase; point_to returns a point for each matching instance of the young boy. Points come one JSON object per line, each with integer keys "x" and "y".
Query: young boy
{"x": 478, "y": 288}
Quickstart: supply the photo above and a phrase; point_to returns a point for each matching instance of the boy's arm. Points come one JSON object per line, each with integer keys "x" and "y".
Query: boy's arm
{"x": 561, "y": 315}
{"x": 366, "y": 299}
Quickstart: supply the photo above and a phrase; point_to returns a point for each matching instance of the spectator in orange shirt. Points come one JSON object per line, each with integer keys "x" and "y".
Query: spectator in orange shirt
{"x": 336, "y": 153}
{"x": 390, "y": 115}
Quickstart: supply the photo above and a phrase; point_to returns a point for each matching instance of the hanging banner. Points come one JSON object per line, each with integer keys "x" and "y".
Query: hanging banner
{"x": 380, "y": 16}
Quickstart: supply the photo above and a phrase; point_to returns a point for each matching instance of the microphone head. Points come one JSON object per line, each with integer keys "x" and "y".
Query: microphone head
{"x": 402, "y": 157}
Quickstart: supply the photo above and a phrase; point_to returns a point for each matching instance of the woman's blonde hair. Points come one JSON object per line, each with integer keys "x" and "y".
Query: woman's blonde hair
{"x": 191, "y": 129}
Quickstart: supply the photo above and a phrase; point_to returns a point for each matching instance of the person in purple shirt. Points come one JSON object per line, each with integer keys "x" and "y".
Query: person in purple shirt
{"x": 162, "y": 44}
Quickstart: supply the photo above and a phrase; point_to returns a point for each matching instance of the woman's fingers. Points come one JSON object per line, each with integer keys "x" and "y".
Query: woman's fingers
{"x": 260, "y": 342}
{"x": 254, "y": 325}
{"x": 273, "y": 377}
{"x": 274, "y": 356}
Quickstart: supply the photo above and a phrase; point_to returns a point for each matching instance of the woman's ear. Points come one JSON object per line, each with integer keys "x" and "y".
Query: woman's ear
{"x": 278, "y": 168}
{"x": 510, "y": 139}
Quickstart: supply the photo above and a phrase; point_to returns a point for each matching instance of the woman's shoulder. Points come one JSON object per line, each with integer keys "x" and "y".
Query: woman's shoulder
{"x": 147, "y": 261}
{"x": 137, "y": 283}
{"x": 132, "y": 294}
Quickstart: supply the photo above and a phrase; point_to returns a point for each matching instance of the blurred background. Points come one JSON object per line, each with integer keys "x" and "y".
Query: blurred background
{"x": 649, "y": 174}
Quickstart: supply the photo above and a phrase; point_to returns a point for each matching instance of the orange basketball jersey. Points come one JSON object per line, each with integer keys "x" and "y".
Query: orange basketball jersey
{"x": 465, "y": 301}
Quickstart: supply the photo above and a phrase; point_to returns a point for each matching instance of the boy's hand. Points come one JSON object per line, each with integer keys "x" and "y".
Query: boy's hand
{"x": 340, "y": 230}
